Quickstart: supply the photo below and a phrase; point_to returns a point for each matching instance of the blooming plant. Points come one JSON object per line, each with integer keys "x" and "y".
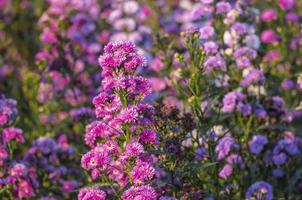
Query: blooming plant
{"x": 121, "y": 138}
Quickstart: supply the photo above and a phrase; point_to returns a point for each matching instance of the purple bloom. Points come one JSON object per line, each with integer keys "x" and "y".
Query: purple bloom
{"x": 257, "y": 143}
{"x": 24, "y": 189}
{"x": 206, "y": 32}
{"x": 292, "y": 17}
{"x": 106, "y": 104}
{"x": 11, "y": 133}
{"x": 91, "y": 194}
{"x": 149, "y": 136}
{"x": 286, "y": 4}
{"x": 7, "y": 110}
{"x": 141, "y": 173}
{"x": 223, "y": 7}
{"x": 201, "y": 153}
{"x": 226, "y": 171}
{"x": 260, "y": 190}
{"x": 269, "y": 36}
{"x": 253, "y": 76}
{"x": 240, "y": 28}
{"x": 201, "y": 10}
{"x": 224, "y": 147}
{"x": 144, "y": 192}
{"x": 94, "y": 159}
{"x": 210, "y": 47}
{"x": 216, "y": 62}
{"x": 287, "y": 84}
{"x": 134, "y": 149}
{"x": 269, "y": 14}
{"x": 231, "y": 100}
{"x": 279, "y": 159}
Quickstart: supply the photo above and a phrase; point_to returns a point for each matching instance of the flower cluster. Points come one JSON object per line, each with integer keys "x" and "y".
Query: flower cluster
{"x": 16, "y": 179}
{"x": 54, "y": 158}
{"x": 120, "y": 139}
{"x": 63, "y": 67}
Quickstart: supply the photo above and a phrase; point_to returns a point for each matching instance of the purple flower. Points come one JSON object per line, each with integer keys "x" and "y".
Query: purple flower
{"x": 144, "y": 192}
{"x": 279, "y": 159}
{"x": 224, "y": 147}
{"x": 210, "y": 47}
{"x": 286, "y": 4}
{"x": 216, "y": 62}
{"x": 260, "y": 190}
{"x": 223, "y": 7}
{"x": 94, "y": 159}
{"x": 8, "y": 134}
{"x": 18, "y": 170}
{"x": 253, "y": 76}
{"x": 269, "y": 14}
{"x": 134, "y": 149}
{"x": 257, "y": 143}
{"x": 269, "y": 36}
{"x": 91, "y": 194}
{"x": 201, "y": 153}
{"x": 106, "y": 104}
{"x": 292, "y": 17}
{"x": 206, "y": 32}
{"x": 7, "y": 110}
{"x": 149, "y": 136}
{"x": 141, "y": 173}
{"x": 231, "y": 100}
{"x": 201, "y": 10}
{"x": 287, "y": 84}
{"x": 226, "y": 171}
{"x": 240, "y": 28}
{"x": 24, "y": 189}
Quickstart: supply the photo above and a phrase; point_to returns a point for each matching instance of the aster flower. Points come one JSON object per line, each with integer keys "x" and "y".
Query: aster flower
{"x": 257, "y": 143}
{"x": 141, "y": 192}
{"x": 231, "y": 100}
{"x": 260, "y": 190}
{"x": 224, "y": 147}
{"x": 118, "y": 138}
{"x": 142, "y": 172}
{"x": 8, "y": 134}
{"x": 269, "y": 14}
{"x": 226, "y": 171}
{"x": 91, "y": 194}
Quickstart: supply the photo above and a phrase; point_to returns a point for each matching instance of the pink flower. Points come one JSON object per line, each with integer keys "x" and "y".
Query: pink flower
{"x": 269, "y": 36}
{"x": 149, "y": 136}
{"x": 268, "y": 15}
{"x": 11, "y": 133}
{"x": 25, "y": 189}
{"x": 286, "y": 4}
{"x": 141, "y": 173}
{"x": 91, "y": 194}
{"x": 144, "y": 192}
{"x": 226, "y": 171}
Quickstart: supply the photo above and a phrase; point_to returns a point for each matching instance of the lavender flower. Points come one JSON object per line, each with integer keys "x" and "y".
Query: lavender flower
{"x": 260, "y": 190}
{"x": 257, "y": 143}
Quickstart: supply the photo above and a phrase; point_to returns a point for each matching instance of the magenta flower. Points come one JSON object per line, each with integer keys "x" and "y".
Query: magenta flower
{"x": 226, "y": 171}
{"x": 24, "y": 189}
{"x": 91, "y": 194}
{"x": 268, "y": 15}
{"x": 269, "y": 36}
{"x": 142, "y": 192}
{"x": 8, "y": 134}
{"x": 124, "y": 125}
{"x": 286, "y": 4}
{"x": 142, "y": 172}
